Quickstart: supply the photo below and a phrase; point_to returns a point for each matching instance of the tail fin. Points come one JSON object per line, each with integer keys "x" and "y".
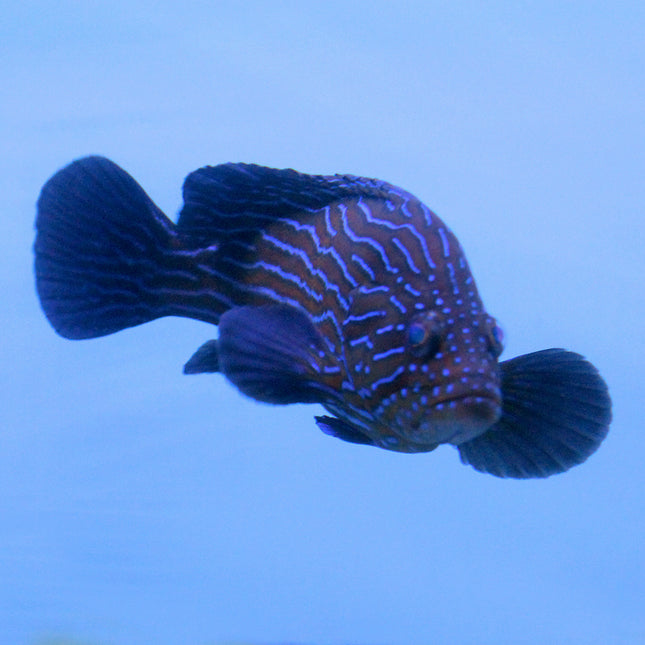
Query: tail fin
{"x": 100, "y": 241}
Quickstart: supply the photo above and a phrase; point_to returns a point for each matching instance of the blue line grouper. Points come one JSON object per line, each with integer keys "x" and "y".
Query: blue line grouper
{"x": 338, "y": 290}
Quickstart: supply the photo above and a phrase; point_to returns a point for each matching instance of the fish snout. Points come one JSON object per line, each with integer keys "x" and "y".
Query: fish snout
{"x": 457, "y": 416}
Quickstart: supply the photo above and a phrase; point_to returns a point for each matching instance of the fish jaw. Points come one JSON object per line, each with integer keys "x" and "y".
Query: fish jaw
{"x": 413, "y": 429}
{"x": 447, "y": 413}
{"x": 460, "y": 420}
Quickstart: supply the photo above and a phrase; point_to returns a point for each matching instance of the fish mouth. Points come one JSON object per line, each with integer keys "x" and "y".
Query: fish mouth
{"x": 457, "y": 419}
{"x": 461, "y": 419}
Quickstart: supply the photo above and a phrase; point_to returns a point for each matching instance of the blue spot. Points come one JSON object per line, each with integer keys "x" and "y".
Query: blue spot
{"x": 395, "y": 301}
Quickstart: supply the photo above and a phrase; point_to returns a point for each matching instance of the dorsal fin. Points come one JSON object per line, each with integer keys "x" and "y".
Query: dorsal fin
{"x": 239, "y": 196}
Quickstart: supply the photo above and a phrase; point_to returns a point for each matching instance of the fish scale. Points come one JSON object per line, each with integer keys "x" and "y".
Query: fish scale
{"x": 338, "y": 290}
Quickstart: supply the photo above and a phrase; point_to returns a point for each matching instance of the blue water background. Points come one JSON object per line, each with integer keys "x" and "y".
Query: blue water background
{"x": 138, "y": 505}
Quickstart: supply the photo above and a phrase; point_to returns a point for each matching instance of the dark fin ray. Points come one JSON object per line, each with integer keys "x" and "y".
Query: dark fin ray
{"x": 235, "y": 197}
{"x": 205, "y": 359}
{"x": 343, "y": 430}
{"x": 556, "y": 413}
{"x": 99, "y": 238}
{"x": 275, "y": 354}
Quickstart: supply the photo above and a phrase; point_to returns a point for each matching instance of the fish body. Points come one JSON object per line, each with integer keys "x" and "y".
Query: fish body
{"x": 338, "y": 290}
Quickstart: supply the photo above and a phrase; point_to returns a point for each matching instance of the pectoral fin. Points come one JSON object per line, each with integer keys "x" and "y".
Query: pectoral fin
{"x": 556, "y": 413}
{"x": 274, "y": 354}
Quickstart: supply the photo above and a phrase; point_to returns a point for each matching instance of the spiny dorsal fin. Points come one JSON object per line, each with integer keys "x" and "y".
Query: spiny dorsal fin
{"x": 234, "y": 196}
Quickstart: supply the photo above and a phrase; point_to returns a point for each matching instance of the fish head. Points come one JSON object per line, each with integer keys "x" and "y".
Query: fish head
{"x": 427, "y": 370}
{"x": 450, "y": 390}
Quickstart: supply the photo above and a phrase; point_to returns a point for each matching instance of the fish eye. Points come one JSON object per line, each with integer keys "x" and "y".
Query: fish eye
{"x": 425, "y": 334}
{"x": 495, "y": 337}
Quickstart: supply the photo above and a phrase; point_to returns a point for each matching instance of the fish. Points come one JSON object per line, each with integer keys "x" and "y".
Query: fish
{"x": 337, "y": 290}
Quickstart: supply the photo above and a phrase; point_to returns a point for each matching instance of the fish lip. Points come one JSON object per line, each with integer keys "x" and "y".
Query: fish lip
{"x": 468, "y": 398}
{"x": 458, "y": 419}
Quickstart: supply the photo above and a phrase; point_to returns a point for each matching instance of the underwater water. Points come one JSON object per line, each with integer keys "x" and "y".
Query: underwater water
{"x": 142, "y": 505}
